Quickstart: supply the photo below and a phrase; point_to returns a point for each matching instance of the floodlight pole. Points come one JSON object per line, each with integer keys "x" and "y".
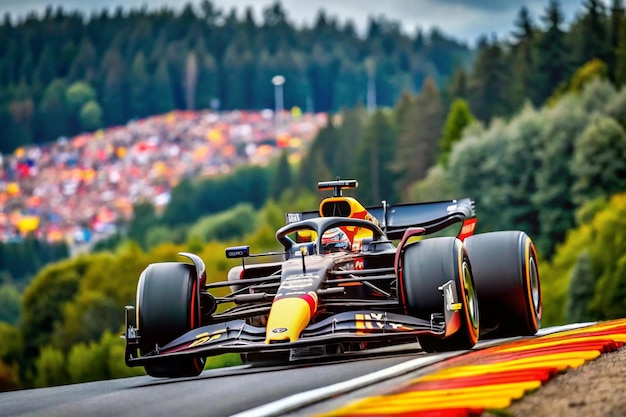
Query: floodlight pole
{"x": 278, "y": 81}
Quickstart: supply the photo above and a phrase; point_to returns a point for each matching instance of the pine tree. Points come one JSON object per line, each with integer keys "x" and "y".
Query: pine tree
{"x": 374, "y": 158}
{"x": 458, "y": 86}
{"x": 162, "y": 95}
{"x": 207, "y": 89}
{"x": 282, "y": 176}
{"x": 139, "y": 81}
{"x": 459, "y": 117}
{"x": 617, "y": 22}
{"x": 553, "y": 63}
{"x": 524, "y": 59}
{"x": 52, "y": 112}
{"x": 85, "y": 63}
{"x": 115, "y": 91}
{"x": 490, "y": 82}
{"x": 617, "y": 67}
{"x": 418, "y": 141}
{"x": 594, "y": 42}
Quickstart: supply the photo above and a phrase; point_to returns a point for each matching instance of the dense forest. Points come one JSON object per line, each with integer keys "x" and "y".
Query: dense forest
{"x": 63, "y": 72}
{"x": 533, "y": 128}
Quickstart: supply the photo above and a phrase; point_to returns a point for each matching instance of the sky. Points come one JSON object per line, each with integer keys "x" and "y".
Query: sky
{"x": 465, "y": 20}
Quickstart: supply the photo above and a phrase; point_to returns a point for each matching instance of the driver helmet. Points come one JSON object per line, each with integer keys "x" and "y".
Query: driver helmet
{"x": 335, "y": 240}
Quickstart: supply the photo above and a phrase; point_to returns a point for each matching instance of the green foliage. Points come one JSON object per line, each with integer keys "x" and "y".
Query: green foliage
{"x": 78, "y": 94}
{"x": 607, "y": 250}
{"x": 232, "y": 224}
{"x": 11, "y": 347}
{"x": 43, "y": 301}
{"x": 84, "y": 362}
{"x": 222, "y": 361}
{"x": 144, "y": 218}
{"x": 10, "y": 301}
{"x": 190, "y": 201}
{"x": 52, "y": 121}
{"x": 87, "y": 362}
{"x": 616, "y": 107}
{"x": 588, "y": 210}
{"x": 374, "y": 157}
{"x": 554, "y": 179}
{"x": 590, "y": 71}
{"x": 157, "y": 235}
{"x": 10, "y": 357}
{"x": 20, "y": 260}
{"x": 139, "y": 87}
{"x": 50, "y": 368}
{"x": 535, "y": 171}
{"x": 436, "y": 186}
{"x": 283, "y": 178}
{"x": 91, "y": 116}
{"x": 108, "y": 244}
{"x": 567, "y": 277}
{"x": 459, "y": 117}
{"x": 599, "y": 161}
{"x": 496, "y": 168}
{"x": 150, "y": 62}
{"x": 620, "y": 54}
{"x": 581, "y": 289}
{"x": 325, "y": 159}
{"x": 490, "y": 80}
{"x": 420, "y": 125}
{"x": 593, "y": 42}
{"x": 596, "y": 95}
{"x": 554, "y": 63}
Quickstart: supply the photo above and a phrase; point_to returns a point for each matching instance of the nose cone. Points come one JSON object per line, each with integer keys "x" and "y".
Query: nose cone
{"x": 289, "y": 316}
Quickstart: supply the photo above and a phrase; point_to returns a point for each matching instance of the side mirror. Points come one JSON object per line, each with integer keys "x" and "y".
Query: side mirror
{"x": 237, "y": 252}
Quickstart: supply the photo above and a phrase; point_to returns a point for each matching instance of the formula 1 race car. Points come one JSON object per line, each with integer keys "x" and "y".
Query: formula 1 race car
{"x": 349, "y": 278}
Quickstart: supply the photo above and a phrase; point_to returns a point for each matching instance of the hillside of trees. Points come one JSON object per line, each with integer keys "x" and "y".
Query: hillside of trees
{"x": 63, "y": 73}
{"x": 534, "y": 130}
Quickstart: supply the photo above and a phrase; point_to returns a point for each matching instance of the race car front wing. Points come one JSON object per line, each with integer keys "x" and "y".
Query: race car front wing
{"x": 238, "y": 336}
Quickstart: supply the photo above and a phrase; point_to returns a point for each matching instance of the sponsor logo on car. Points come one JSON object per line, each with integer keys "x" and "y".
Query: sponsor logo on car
{"x": 293, "y": 217}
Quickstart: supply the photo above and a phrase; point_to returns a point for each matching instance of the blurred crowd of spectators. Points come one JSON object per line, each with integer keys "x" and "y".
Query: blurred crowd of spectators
{"x": 82, "y": 187}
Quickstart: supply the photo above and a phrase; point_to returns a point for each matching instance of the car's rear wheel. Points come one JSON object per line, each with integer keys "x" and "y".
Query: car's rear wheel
{"x": 506, "y": 275}
{"x": 167, "y": 307}
{"x": 426, "y": 266}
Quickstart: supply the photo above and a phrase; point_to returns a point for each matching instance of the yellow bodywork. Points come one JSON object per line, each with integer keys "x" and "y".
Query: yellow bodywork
{"x": 288, "y": 317}
{"x": 357, "y": 211}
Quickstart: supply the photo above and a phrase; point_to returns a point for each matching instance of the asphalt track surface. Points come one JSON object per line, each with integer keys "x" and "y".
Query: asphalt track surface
{"x": 242, "y": 390}
{"x": 220, "y": 392}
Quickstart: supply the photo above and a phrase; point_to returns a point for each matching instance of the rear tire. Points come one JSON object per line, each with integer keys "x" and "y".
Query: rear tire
{"x": 506, "y": 275}
{"x": 426, "y": 266}
{"x": 167, "y": 308}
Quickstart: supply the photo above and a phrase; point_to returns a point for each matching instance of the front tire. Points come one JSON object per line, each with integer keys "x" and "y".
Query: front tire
{"x": 167, "y": 307}
{"x": 506, "y": 274}
{"x": 426, "y": 266}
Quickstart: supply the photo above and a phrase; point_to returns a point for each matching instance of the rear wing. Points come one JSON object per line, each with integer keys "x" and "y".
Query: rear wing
{"x": 396, "y": 219}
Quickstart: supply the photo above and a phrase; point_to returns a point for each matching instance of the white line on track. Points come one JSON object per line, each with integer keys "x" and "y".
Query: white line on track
{"x": 298, "y": 401}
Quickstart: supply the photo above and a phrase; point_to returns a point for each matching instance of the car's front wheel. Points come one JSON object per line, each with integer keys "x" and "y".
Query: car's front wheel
{"x": 426, "y": 266}
{"x": 167, "y": 307}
